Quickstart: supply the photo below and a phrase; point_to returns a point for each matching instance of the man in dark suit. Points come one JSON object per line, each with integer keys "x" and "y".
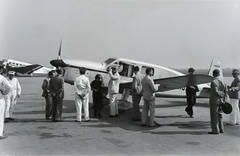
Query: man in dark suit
{"x": 56, "y": 87}
{"x": 191, "y": 95}
{"x": 47, "y": 95}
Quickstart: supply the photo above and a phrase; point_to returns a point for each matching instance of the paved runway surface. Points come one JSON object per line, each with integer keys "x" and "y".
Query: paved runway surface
{"x": 31, "y": 134}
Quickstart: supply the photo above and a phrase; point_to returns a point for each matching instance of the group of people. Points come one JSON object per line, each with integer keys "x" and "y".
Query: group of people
{"x": 10, "y": 91}
{"x": 142, "y": 87}
{"x": 221, "y": 94}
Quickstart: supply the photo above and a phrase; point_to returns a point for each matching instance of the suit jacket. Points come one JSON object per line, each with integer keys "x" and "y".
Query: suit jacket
{"x": 218, "y": 89}
{"x": 149, "y": 88}
{"x": 45, "y": 88}
{"x": 56, "y": 86}
{"x": 235, "y": 86}
{"x": 137, "y": 84}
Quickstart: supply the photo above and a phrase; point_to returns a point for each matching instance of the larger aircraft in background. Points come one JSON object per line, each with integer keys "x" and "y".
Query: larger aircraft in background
{"x": 24, "y": 68}
{"x": 171, "y": 81}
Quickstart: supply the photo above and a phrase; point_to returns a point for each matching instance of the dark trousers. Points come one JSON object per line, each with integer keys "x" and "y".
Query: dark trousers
{"x": 48, "y": 109}
{"x": 97, "y": 105}
{"x": 191, "y": 101}
{"x": 57, "y": 108}
{"x": 136, "y": 98}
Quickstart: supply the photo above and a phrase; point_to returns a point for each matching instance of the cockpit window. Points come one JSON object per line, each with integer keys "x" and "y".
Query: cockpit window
{"x": 108, "y": 61}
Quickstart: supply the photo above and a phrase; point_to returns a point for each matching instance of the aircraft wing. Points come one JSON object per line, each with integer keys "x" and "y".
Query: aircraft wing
{"x": 25, "y": 69}
{"x": 177, "y": 82}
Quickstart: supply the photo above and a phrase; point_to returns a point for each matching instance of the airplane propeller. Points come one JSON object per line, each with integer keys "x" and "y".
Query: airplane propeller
{"x": 58, "y": 62}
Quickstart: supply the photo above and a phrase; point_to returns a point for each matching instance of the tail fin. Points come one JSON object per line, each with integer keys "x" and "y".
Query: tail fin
{"x": 216, "y": 65}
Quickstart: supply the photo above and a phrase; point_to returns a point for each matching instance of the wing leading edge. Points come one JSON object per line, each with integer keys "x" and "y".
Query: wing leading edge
{"x": 25, "y": 69}
{"x": 172, "y": 83}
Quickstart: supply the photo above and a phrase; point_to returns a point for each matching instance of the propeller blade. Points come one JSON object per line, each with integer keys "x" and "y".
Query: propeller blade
{"x": 59, "y": 53}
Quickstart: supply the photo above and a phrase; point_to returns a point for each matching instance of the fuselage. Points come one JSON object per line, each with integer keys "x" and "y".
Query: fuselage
{"x": 126, "y": 73}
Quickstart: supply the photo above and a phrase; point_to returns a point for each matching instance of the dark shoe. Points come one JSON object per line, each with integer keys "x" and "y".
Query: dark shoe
{"x": 6, "y": 120}
{"x": 111, "y": 116}
{"x": 143, "y": 125}
{"x": 88, "y": 120}
{"x": 77, "y": 121}
{"x": 221, "y": 132}
{"x": 191, "y": 116}
{"x": 3, "y": 137}
{"x": 11, "y": 119}
{"x": 212, "y": 133}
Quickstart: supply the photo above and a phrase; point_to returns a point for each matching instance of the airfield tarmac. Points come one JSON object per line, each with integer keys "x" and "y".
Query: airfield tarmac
{"x": 31, "y": 134}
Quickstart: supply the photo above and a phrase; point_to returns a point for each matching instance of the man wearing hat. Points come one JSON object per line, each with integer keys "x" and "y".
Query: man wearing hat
{"x": 11, "y": 98}
{"x": 234, "y": 94}
{"x": 191, "y": 95}
{"x": 113, "y": 89}
{"x": 218, "y": 91}
{"x": 56, "y": 87}
{"x": 4, "y": 89}
{"x": 82, "y": 88}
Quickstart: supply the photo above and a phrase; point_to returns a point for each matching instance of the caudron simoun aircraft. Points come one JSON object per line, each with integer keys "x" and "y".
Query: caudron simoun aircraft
{"x": 171, "y": 81}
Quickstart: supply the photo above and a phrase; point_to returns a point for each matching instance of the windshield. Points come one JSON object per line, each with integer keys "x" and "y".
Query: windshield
{"x": 108, "y": 61}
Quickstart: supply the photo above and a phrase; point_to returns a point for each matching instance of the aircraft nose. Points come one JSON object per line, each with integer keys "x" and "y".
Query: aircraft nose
{"x": 58, "y": 63}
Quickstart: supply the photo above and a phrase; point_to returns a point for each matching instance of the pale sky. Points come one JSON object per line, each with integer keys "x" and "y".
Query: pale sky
{"x": 176, "y": 33}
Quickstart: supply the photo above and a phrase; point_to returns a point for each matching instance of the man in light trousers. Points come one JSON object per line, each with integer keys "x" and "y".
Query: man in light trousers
{"x": 149, "y": 89}
{"x": 12, "y": 96}
{"x": 234, "y": 94}
{"x": 113, "y": 89}
{"x": 4, "y": 89}
{"x": 82, "y": 88}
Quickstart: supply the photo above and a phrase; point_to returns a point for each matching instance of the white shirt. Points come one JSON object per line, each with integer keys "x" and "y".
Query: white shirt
{"x": 4, "y": 86}
{"x": 15, "y": 85}
{"x": 82, "y": 85}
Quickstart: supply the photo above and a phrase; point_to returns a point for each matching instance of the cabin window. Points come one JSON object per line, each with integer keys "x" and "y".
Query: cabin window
{"x": 143, "y": 70}
{"x": 125, "y": 69}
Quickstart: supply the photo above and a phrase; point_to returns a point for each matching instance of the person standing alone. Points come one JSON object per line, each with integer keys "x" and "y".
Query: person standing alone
{"x": 191, "y": 95}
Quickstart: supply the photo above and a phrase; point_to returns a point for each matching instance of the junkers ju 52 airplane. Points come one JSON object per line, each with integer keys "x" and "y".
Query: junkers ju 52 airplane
{"x": 171, "y": 81}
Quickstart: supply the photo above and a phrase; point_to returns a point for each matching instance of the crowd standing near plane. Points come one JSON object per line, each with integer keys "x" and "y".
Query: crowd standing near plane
{"x": 140, "y": 86}
{"x": 12, "y": 96}
{"x": 234, "y": 93}
{"x": 5, "y": 88}
{"x": 191, "y": 95}
{"x": 82, "y": 89}
{"x": 56, "y": 87}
